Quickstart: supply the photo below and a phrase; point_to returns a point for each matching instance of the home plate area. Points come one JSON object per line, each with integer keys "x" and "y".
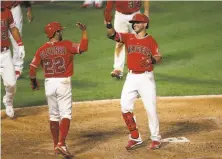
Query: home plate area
{"x": 190, "y": 128}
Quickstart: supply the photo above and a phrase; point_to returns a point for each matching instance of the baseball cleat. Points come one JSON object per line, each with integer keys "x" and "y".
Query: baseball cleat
{"x": 18, "y": 74}
{"x": 117, "y": 73}
{"x": 155, "y": 145}
{"x": 62, "y": 149}
{"x": 56, "y": 152}
{"x": 8, "y": 107}
{"x": 133, "y": 144}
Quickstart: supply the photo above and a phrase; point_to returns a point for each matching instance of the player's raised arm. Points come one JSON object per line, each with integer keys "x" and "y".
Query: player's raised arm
{"x": 112, "y": 34}
{"x": 28, "y": 5}
{"x": 146, "y": 5}
{"x": 108, "y": 12}
{"x": 84, "y": 40}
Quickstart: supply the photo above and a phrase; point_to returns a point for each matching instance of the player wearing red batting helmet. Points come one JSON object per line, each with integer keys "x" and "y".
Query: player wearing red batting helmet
{"x": 56, "y": 57}
{"x": 143, "y": 53}
{"x": 140, "y": 18}
{"x": 124, "y": 12}
{"x": 51, "y": 28}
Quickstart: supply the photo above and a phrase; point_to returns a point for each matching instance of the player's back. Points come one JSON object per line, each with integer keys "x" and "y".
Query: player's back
{"x": 57, "y": 59}
{"x": 127, "y": 7}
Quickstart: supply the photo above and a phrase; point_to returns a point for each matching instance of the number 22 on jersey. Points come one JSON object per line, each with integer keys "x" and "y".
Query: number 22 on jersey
{"x": 54, "y": 66}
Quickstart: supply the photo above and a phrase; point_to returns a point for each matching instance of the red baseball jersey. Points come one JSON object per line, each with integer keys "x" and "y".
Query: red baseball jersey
{"x": 125, "y": 7}
{"x": 7, "y": 22}
{"x": 56, "y": 58}
{"x": 10, "y": 4}
{"x": 138, "y": 49}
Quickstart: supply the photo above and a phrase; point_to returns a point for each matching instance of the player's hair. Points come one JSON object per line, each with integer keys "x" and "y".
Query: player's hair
{"x": 147, "y": 26}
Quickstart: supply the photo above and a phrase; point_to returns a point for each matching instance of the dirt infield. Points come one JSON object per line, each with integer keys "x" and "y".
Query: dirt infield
{"x": 98, "y": 132}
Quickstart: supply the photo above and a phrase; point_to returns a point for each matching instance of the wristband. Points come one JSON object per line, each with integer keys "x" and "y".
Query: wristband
{"x": 19, "y": 42}
{"x": 109, "y": 26}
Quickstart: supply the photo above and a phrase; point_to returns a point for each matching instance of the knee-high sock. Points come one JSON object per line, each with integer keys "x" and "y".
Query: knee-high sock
{"x": 63, "y": 130}
{"x": 54, "y": 127}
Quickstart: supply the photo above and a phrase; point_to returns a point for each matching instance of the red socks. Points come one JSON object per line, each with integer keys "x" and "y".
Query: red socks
{"x": 63, "y": 130}
{"x": 131, "y": 124}
{"x": 54, "y": 127}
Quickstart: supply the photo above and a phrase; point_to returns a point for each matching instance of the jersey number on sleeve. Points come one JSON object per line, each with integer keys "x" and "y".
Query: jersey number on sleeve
{"x": 55, "y": 65}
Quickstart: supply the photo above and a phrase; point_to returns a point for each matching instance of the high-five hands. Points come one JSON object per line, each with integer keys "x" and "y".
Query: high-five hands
{"x": 81, "y": 26}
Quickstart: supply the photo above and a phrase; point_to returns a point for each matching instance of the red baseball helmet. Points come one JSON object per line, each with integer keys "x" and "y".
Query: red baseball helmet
{"x": 140, "y": 18}
{"x": 52, "y": 27}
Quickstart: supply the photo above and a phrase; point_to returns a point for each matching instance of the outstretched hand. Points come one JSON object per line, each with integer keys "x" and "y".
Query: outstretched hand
{"x": 81, "y": 26}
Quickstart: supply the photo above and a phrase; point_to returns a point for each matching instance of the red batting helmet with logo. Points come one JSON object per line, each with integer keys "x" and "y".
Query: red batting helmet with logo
{"x": 140, "y": 18}
{"x": 52, "y": 27}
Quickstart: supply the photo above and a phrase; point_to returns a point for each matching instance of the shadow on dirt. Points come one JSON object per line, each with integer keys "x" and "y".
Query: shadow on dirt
{"x": 183, "y": 128}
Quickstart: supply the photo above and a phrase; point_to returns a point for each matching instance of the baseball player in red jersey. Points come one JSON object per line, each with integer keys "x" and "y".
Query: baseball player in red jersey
{"x": 125, "y": 10}
{"x": 15, "y": 8}
{"x": 7, "y": 70}
{"x": 142, "y": 54}
{"x": 56, "y": 57}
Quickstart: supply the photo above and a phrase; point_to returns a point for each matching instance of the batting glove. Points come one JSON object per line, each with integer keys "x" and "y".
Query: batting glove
{"x": 21, "y": 52}
{"x": 34, "y": 84}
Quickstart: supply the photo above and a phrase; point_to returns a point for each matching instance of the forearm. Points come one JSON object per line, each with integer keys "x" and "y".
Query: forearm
{"x": 109, "y": 7}
{"x": 16, "y": 35}
{"x": 84, "y": 42}
{"x": 147, "y": 8}
{"x": 32, "y": 72}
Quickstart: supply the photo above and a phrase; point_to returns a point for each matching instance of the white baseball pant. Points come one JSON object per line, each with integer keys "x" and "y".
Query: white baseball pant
{"x": 58, "y": 92}
{"x": 7, "y": 73}
{"x": 18, "y": 18}
{"x": 143, "y": 85}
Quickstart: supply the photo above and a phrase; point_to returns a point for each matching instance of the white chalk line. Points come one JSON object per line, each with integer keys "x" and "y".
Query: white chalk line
{"x": 159, "y": 97}
{"x": 118, "y": 100}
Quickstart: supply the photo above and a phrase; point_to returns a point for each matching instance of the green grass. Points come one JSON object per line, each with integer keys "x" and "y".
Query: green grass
{"x": 188, "y": 34}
